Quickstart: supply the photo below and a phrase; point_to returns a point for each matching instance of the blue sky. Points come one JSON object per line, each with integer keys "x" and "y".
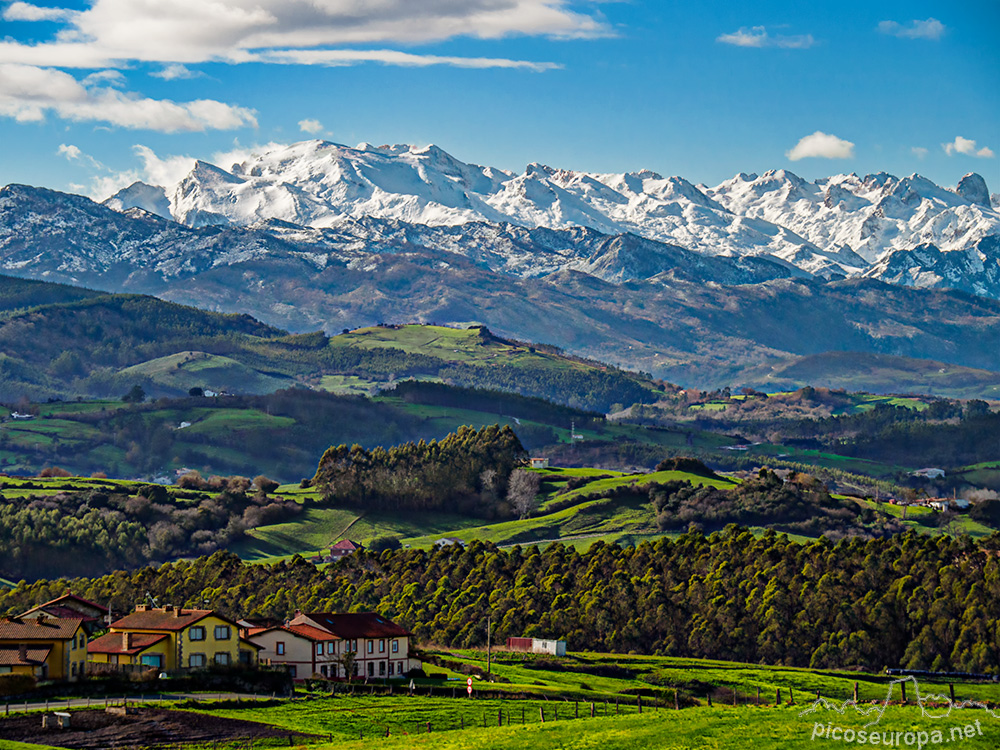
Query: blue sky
{"x": 94, "y": 95}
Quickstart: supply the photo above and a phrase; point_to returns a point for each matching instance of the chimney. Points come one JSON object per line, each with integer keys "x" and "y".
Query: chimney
{"x": 126, "y": 641}
{"x": 22, "y": 652}
{"x": 168, "y": 607}
{"x": 178, "y": 612}
{"x": 141, "y": 607}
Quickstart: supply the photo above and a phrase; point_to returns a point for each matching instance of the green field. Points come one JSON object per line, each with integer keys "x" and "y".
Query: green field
{"x": 188, "y": 369}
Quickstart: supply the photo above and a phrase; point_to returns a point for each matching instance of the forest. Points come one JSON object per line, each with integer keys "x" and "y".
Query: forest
{"x": 96, "y": 528}
{"x": 466, "y": 472}
{"x": 909, "y": 600}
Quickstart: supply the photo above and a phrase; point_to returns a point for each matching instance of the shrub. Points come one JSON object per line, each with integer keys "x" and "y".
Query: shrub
{"x": 16, "y": 684}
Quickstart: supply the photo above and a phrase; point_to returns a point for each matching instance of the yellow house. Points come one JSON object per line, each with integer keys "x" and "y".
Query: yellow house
{"x": 171, "y": 638}
{"x": 49, "y": 648}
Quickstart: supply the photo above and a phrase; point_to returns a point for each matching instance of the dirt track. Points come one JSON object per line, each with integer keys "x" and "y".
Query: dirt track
{"x": 149, "y": 727}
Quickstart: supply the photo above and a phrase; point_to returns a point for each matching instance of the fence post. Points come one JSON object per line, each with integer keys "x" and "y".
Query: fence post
{"x": 677, "y": 702}
{"x": 903, "y": 686}
{"x": 791, "y": 696}
{"x": 951, "y": 688}
{"x": 541, "y": 714}
{"x": 592, "y": 708}
{"x": 709, "y": 700}
{"x": 855, "y": 692}
{"x": 639, "y": 702}
{"x": 499, "y": 717}
{"x": 758, "y": 695}
{"x": 555, "y": 714}
{"x": 777, "y": 696}
{"x": 428, "y": 727}
{"x": 817, "y": 695}
{"x": 577, "y": 710}
{"x": 736, "y": 695}
{"x": 616, "y": 706}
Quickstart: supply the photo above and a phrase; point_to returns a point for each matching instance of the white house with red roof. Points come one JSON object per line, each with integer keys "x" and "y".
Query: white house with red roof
{"x": 316, "y": 643}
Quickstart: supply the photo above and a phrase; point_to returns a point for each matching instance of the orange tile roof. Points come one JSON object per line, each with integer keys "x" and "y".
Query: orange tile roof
{"x": 164, "y": 619}
{"x": 113, "y": 643}
{"x": 46, "y": 629}
{"x": 31, "y": 657}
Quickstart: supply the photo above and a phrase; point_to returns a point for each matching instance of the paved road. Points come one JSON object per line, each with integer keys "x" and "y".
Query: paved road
{"x": 147, "y": 699}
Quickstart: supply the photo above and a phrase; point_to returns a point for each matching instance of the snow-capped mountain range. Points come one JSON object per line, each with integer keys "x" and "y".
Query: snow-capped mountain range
{"x": 904, "y": 230}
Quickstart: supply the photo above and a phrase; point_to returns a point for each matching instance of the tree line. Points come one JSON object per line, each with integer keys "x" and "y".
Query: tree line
{"x": 465, "y": 472}
{"x": 910, "y": 600}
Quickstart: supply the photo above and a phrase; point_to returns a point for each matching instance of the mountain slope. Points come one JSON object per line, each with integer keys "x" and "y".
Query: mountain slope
{"x": 834, "y": 226}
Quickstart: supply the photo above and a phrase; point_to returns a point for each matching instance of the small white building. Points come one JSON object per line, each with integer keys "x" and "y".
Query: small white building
{"x": 537, "y": 646}
{"x": 448, "y": 541}
{"x": 539, "y": 463}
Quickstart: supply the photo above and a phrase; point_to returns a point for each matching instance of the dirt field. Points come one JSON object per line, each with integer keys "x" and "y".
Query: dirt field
{"x": 147, "y": 728}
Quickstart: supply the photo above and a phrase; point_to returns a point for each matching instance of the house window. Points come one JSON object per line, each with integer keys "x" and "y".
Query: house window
{"x": 331, "y": 647}
{"x": 279, "y": 648}
{"x": 354, "y": 671}
{"x": 381, "y": 669}
{"x": 371, "y": 669}
{"x": 371, "y": 647}
{"x": 354, "y": 645}
{"x": 72, "y": 669}
{"x": 292, "y": 671}
{"x": 395, "y": 647}
{"x": 401, "y": 667}
{"x": 6, "y": 670}
{"x": 222, "y": 657}
{"x": 391, "y": 666}
{"x": 381, "y": 646}
{"x": 197, "y": 633}
{"x": 196, "y": 660}
{"x": 319, "y": 649}
{"x": 222, "y": 632}
{"x": 152, "y": 660}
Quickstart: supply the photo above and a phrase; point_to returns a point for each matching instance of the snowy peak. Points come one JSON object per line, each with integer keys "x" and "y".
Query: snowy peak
{"x": 973, "y": 188}
{"x": 833, "y": 226}
{"x": 151, "y": 198}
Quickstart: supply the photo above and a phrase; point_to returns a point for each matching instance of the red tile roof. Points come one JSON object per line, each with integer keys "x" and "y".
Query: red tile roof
{"x": 165, "y": 619}
{"x": 45, "y": 629}
{"x": 313, "y": 634}
{"x": 346, "y": 544}
{"x": 64, "y": 603}
{"x": 113, "y": 643}
{"x": 15, "y": 657}
{"x": 355, "y": 625}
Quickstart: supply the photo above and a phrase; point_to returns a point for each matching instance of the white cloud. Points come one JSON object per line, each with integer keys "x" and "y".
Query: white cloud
{"x": 821, "y": 145}
{"x": 310, "y": 126}
{"x": 966, "y": 146}
{"x": 163, "y": 171}
{"x": 69, "y": 151}
{"x": 335, "y": 57}
{"x": 193, "y": 31}
{"x": 758, "y": 37}
{"x": 239, "y": 154}
{"x": 931, "y": 29}
{"x": 919, "y": 151}
{"x": 176, "y": 72}
{"x": 26, "y": 12}
{"x": 29, "y": 93}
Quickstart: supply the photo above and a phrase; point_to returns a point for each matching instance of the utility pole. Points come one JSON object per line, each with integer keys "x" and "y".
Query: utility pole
{"x": 489, "y": 660}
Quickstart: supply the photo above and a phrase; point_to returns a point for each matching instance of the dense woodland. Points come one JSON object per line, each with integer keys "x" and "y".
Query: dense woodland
{"x": 466, "y": 472}
{"x": 93, "y": 529}
{"x": 909, "y": 600}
